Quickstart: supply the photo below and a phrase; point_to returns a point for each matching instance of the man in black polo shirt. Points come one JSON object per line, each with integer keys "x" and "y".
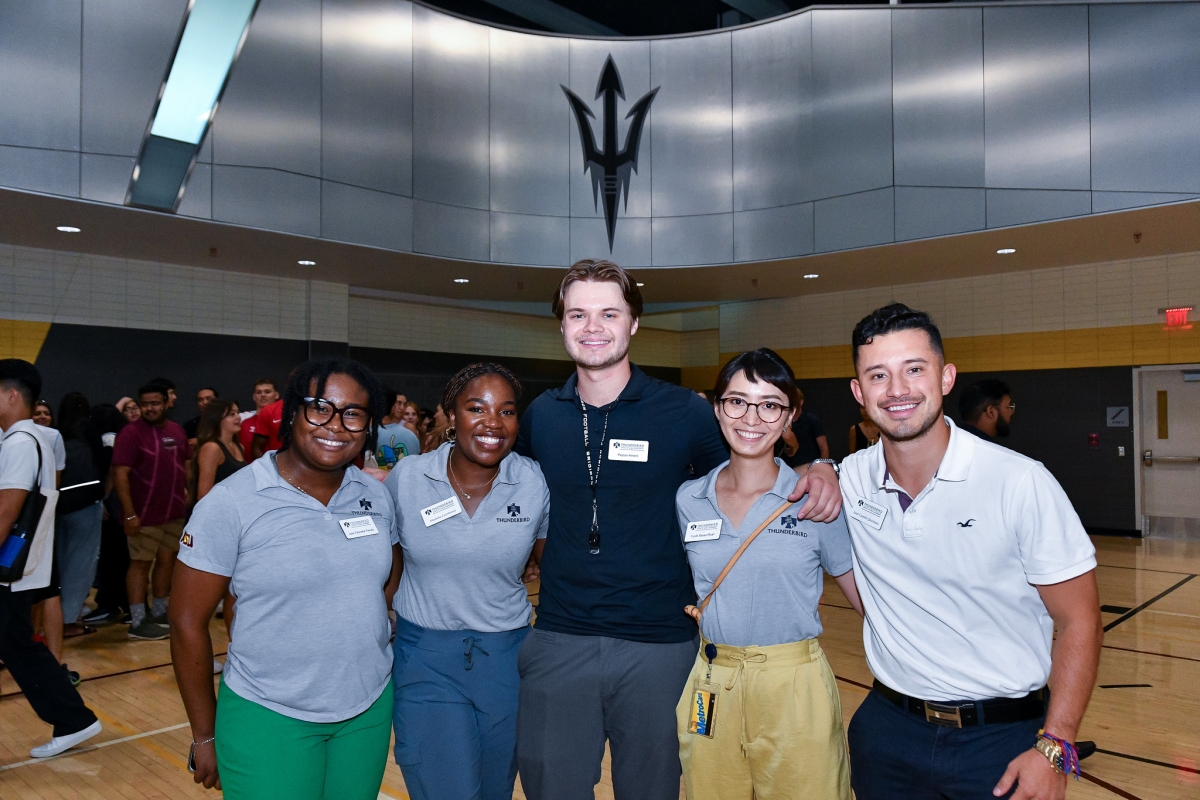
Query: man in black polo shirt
{"x": 612, "y": 646}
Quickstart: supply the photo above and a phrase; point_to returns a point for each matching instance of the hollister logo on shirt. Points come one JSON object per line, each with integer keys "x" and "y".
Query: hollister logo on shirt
{"x": 868, "y": 513}
{"x": 629, "y": 450}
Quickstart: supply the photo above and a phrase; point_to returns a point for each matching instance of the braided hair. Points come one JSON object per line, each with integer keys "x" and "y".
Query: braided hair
{"x": 319, "y": 370}
{"x": 458, "y": 384}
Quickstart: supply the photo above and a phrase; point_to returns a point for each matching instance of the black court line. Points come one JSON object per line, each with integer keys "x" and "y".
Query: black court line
{"x": 1143, "y": 569}
{"x": 110, "y": 675}
{"x": 1115, "y": 609}
{"x": 1106, "y": 785}
{"x": 1149, "y": 653}
{"x": 1179, "y": 767}
{"x": 853, "y": 683}
{"x": 1126, "y": 686}
{"x": 1146, "y": 604}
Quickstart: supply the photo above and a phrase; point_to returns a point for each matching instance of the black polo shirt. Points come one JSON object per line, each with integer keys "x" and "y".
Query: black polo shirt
{"x": 807, "y": 428}
{"x": 636, "y": 587}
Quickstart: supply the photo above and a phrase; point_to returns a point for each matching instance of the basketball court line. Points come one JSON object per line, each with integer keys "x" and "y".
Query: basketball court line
{"x": 90, "y": 748}
{"x": 1142, "y": 569}
{"x": 1108, "y": 786}
{"x": 1179, "y": 767}
{"x": 19, "y": 693}
{"x": 1146, "y": 604}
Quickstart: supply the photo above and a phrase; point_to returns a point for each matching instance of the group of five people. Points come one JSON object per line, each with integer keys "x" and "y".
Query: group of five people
{"x": 681, "y": 564}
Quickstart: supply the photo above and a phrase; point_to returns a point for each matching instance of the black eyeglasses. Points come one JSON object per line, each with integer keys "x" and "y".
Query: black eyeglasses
{"x": 768, "y": 411}
{"x": 320, "y": 412}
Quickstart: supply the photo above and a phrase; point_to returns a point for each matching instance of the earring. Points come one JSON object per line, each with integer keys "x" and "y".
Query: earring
{"x": 451, "y": 434}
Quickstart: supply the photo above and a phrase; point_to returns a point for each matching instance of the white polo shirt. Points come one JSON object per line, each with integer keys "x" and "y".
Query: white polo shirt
{"x": 949, "y": 586}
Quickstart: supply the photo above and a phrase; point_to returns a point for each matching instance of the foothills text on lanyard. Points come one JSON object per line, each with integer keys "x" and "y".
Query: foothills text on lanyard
{"x": 593, "y": 475}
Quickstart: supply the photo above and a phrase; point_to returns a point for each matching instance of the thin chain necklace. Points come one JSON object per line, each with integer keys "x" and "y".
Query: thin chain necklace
{"x": 461, "y": 490}
{"x": 290, "y": 482}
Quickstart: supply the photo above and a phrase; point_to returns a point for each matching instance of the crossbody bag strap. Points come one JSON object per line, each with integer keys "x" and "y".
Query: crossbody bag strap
{"x": 740, "y": 550}
{"x": 37, "y": 481}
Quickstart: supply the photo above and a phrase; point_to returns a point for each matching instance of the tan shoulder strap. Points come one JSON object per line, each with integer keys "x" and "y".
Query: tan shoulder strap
{"x": 742, "y": 549}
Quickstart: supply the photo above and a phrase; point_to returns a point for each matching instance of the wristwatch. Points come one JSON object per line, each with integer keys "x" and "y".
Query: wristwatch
{"x": 836, "y": 469}
{"x": 1053, "y": 751}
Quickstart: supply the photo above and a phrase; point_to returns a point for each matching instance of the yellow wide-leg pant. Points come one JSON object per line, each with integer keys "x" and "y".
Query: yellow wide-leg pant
{"x": 778, "y": 727}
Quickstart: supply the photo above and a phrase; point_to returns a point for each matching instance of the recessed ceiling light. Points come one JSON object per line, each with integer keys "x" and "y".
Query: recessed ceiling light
{"x": 462, "y": 280}
{"x": 68, "y": 229}
{"x": 811, "y": 275}
{"x": 1006, "y": 251}
{"x": 641, "y": 284}
{"x": 307, "y": 263}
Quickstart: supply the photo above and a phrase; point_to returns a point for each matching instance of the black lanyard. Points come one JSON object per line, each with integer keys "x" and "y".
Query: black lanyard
{"x": 593, "y": 475}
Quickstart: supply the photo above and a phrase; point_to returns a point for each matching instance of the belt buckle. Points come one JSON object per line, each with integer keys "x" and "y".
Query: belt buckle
{"x": 942, "y": 714}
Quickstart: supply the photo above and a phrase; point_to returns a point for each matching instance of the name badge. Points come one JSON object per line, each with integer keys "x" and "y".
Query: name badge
{"x": 702, "y": 531}
{"x": 437, "y": 512}
{"x": 867, "y": 512}
{"x": 358, "y": 526}
{"x": 629, "y": 450}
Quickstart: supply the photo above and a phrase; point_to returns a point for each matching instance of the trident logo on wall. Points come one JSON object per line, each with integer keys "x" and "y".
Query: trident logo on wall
{"x": 610, "y": 167}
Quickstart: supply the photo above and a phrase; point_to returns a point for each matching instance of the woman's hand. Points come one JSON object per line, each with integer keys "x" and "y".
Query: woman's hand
{"x": 206, "y": 766}
{"x": 692, "y": 612}
{"x": 532, "y": 572}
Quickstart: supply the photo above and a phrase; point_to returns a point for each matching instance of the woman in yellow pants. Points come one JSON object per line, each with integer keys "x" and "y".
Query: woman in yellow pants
{"x": 760, "y": 717}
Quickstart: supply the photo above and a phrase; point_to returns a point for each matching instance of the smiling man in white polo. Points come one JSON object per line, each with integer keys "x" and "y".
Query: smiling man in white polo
{"x": 967, "y": 556}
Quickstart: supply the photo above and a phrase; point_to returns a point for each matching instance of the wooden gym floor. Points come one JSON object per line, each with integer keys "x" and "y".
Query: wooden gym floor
{"x": 1143, "y": 714}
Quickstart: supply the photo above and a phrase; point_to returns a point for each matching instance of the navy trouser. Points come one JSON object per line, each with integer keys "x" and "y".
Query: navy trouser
{"x": 896, "y": 754}
{"x": 456, "y": 712}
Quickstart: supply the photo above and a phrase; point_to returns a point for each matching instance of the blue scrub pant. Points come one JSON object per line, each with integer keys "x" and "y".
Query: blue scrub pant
{"x": 895, "y": 754}
{"x": 456, "y": 712}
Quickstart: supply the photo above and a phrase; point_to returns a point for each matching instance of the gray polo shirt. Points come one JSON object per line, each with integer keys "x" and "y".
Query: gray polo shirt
{"x": 771, "y": 594}
{"x": 464, "y": 573}
{"x": 311, "y": 633}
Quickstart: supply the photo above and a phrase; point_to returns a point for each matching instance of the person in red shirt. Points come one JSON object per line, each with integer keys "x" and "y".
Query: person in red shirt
{"x": 265, "y": 393}
{"x": 149, "y": 463}
{"x": 266, "y": 430}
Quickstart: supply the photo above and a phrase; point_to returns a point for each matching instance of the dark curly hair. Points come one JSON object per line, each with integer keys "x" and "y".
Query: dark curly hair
{"x": 319, "y": 370}
{"x": 464, "y": 376}
{"x": 892, "y": 318}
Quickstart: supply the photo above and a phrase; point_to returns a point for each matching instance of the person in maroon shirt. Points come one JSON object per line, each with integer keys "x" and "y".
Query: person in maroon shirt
{"x": 149, "y": 462}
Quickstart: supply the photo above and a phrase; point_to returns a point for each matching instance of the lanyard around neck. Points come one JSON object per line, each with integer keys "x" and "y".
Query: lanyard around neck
{"x": 593, "y": 474}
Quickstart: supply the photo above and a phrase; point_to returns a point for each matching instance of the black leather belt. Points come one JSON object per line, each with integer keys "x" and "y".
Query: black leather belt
{"x": 967, "y": 713}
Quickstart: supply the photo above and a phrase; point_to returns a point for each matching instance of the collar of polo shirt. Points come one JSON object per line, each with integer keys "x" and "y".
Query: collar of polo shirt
{"x": 638, "y": 381}
{"x": 783, "y": 484}
{"x": 956, "y": 463}
{"x": 437, "y": 466}
{"x": 266, "y": 474}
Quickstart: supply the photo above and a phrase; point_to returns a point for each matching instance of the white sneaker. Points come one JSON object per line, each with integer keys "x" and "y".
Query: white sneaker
{"x": 60, "y": 744}
{"x": 218, "y": 667}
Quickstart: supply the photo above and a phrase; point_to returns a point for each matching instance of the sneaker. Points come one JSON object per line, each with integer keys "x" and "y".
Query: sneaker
{"x": 1085, "y": 749}
{"x": 149, "y": 630}
{"x": 218, "y": 667}
{"x": 101, "y": 615}
{"x": 159, "y": 620}
{"x": 72, "y": 675}
{"x": 60, "y": 744}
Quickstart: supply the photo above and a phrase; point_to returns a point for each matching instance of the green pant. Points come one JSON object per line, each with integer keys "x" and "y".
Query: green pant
{"x": 264, "y": 755}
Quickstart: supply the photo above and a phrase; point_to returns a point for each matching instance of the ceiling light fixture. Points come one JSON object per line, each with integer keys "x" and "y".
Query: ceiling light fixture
{"x": 811, "y": 275}
{"x": 68, "y": 229}
{"x": 462, "y": 280}
{"x": 307, "y": 263}
{"x": 1006, "y": 251}
{"x": 641, "y": 284}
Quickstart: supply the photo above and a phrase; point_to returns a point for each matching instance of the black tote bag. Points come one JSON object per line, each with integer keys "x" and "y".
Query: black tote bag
{"x": 14, "y": 552}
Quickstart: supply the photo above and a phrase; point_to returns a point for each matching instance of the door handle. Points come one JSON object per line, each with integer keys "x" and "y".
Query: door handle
{"x": 1148, "y": 458}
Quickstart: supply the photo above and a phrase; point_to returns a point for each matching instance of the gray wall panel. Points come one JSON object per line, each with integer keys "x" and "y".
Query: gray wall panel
{"x": 366, "y": 94}
{"x": 937, "y": 96}
{"x": 51, "y": 171}
{"x": 767, "y": 233}
{"x": 441, "y": 230}
{"x": 1115, "y": 201}
{"x": 39, "y": 62}
{"x": 693, "y": 153}
{"x": 105, "y": 178}
{"x": 856, "y": 220}
{"x": 364, "y": 216}
{"x": 1018, "y": 207}
{"x": 126, "y": 51}
{"x": 267, "y": 198}
{"x": 683, "y": 241}
{"x": 1036, "y": 97}
{"x": 631, "y": 245}
{"x": 530, "y": 153}
{"x": 852, "y": 86}
{"x": 528, "y": 239}
{"x": 633, "y": 64}
{"x": 270, "y": 115}
{"x": 772, "y": 114}
{"x": 450, "y": 111}
{"x": 1145, "y": 62}
{"x": 197, "y": 198}
{"x": 922, "y": 211}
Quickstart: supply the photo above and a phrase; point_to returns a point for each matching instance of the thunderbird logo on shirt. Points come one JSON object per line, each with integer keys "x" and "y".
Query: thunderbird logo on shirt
{"x": 365, "y": 504}
{"x": 514, "y": 510}
{"x": 788, "y": 521}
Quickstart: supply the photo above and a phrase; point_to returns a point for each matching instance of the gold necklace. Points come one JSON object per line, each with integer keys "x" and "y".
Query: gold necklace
{"x": 290, "y": 482}
{"x": 453, "y": 477}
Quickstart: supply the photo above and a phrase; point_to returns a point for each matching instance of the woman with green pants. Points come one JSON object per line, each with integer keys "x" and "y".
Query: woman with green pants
{"x": 307, "y": 543}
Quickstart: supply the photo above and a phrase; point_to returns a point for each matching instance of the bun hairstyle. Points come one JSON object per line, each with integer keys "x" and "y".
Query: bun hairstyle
{"x": 761, "y": 365}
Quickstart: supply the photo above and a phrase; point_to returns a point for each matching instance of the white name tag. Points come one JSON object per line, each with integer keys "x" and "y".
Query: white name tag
{"x": 867, "y": 512}
{"x": 702, "y": 531}
{"x": 437, "y": 512}
{"x": 358, "y": 526}
{"x": 628, "y": 450}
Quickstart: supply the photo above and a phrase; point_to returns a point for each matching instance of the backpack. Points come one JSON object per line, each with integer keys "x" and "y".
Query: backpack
{"x": 80, "y": 480}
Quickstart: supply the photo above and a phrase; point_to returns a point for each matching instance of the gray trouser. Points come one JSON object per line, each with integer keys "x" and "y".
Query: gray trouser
{"x": 578, "y": 691}
{"x": 77, "y": 545}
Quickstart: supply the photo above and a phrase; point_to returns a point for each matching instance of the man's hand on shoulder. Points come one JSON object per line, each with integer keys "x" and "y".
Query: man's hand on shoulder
{"x": 820, "y": 483}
